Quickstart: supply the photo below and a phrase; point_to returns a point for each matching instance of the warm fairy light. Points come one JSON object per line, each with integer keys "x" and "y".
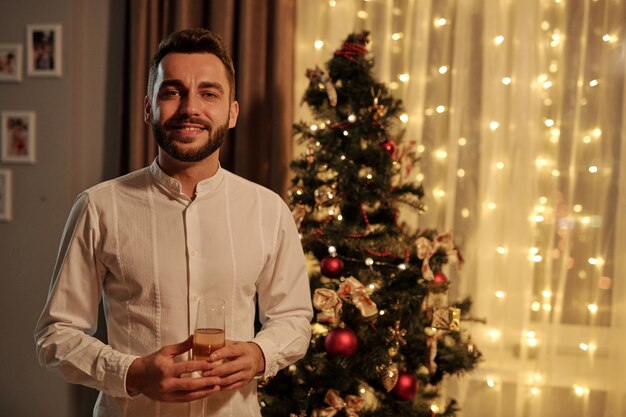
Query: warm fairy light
{"x": 585, "y": 220}
{"x": 549, "y": 122}
{"x": 435, "y": 408}
{"x": 362, "y": 390}
{"x": 586, "y": 139}
{"x": 404, "y": 117}
{"x": 440, "y": 22}
{"x": 542, "y": 78}
{"x": 547, "y": 101}
{"x": 491, "y": 206}
{"x": 404, "y": 77}
{"x": 332, "y": 250}
{"x": 352, "y": 118}
{"x": 465, "y": 213}
{"x": 593, "y": 169}
{"x": 440, "y": 109}
{"x": 340, "y": 217}
{"x": 556, "y": 173}
{"x": 554, "y": 67}
{"x": 491, "y": 383}
{"x": 313, "y": 128}
{"x": 460, "y": 173}
{"x": 501, "y": 250}
{"x": 545, "y": 25}
{"x": 593, "y": 308}
{"x": 429, "y": 111}
{"x": 332, "y": 3}
{"x": 556, "y": 39}
{"x": 580, "y": 391}
{"x": 361, "y": 14}
{"x": 543, "y": 200}
{"x": 588, "y": 347}
{"x": 462, "y": 141}
{"x": 319, "y": 44}
{"x": 533, "y": 251}
{"x": 500, "y": 165}
{"x": 531, "y": 339}
{"x": 577, "y": 208}
{"x": 538, "y": 218}
{"x": 535, "y": 391}
{"x": 593, "y": 83}
{"x": 546, "y": 293}
{"x": 597, "y": 132}
{"x": 494, "y": 125}
{"x": 498, "y": 40}
{"x": 541, "y": 162}
{"x": 443, "y": 69}
{"x": 439, "y": 193}
{"x": 500, "y": 294}
{"x": 381, "y": 312}
{"x": 506, "y": 80}
{"x": 494, "y": 334}
{"x": 397, "y": 36}
{"x": 547, "y": 84}
{"x": 393, "y": 85}
{"x": 535, "y": 306}
{"x": 592, "y": 261}
{"x": 419, "y": 177}
{"x": 537, "y": 258}
{"x": 441, "y": 153}
{"x": 346, "y": 133}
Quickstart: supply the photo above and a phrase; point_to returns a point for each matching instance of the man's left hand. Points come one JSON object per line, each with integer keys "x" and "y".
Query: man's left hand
{"x": 236, "y": 364}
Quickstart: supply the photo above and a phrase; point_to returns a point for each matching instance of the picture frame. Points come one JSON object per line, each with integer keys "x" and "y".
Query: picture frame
{"x": 44, "y": 44}
{"x": 17, "y": 137}
{"x": 6, "y": 196}
{"x": 11, "y": 60}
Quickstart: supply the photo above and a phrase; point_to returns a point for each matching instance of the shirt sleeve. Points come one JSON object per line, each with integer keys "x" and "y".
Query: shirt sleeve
{"x": 285, "y": 309}
{"x": 64, "y": 333}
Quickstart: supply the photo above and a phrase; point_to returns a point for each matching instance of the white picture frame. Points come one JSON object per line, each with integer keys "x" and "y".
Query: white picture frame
{"x": 11, "y": 60}
{"x": 6, "y": 196}
{"x": 17, "y": 137}
{"x": 44, "y": 43}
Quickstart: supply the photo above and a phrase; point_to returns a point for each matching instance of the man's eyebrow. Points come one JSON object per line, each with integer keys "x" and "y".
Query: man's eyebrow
{"x": 171, "y": 83}
{"x": 208, "y": 84}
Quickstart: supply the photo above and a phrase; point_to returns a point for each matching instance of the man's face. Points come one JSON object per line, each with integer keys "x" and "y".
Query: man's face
{"x": 190, "y": 110}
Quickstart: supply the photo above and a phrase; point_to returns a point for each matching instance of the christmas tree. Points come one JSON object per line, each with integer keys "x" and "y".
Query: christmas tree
{"x": 384, "y": 334}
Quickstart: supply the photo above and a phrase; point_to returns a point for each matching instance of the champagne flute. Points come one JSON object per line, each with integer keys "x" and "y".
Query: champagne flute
{"x": 208, "y": 333}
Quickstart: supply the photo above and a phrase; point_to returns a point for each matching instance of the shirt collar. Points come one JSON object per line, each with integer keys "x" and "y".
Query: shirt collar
{"x": 204, "y": 187}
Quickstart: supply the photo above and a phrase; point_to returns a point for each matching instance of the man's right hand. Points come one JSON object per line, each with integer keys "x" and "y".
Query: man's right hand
{"x": 157, "y": 376}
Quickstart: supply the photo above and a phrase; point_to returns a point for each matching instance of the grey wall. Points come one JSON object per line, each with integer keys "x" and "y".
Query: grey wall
{"x": 77, "y": 136}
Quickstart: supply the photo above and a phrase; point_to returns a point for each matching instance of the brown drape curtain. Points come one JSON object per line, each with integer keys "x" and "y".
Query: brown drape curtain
{"x": 260, "y": 37}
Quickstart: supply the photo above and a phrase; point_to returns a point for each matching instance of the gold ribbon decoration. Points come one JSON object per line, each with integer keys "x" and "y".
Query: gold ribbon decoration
{"x": 352, "y": 405}
{"x": 426, "y": 248}
{"x": 329, "y": 304}
{"x": 351, "y": 289}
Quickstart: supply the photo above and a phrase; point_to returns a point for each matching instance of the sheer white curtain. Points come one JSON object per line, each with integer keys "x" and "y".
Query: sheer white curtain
{"x": 516, "y": 108}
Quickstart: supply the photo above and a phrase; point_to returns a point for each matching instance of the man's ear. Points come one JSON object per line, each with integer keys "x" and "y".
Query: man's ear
{"x": 147, "y": 110}
{"x": 233, "y": 112}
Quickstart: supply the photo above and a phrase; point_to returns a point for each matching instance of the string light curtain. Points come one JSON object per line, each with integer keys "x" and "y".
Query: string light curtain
{"x": 516, "y": 109}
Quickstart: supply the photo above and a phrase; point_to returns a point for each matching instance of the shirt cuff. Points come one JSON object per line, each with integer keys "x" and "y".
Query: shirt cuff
{"x": 116, "y": 377}
{"x": 270, "y": 352}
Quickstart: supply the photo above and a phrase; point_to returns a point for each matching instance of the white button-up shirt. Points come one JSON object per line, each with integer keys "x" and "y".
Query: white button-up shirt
{"x": 150, "y": 252}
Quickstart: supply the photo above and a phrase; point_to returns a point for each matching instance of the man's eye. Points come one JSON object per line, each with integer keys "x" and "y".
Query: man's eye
{"x": 209, "y": 94}
{"x": 170, "y": 93}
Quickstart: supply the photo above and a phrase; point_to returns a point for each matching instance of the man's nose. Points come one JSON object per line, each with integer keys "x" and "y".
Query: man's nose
{"x": 190, "y": 105}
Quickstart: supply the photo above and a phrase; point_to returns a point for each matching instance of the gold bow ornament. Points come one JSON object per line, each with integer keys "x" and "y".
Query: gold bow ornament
{"x": 329, "y": 302}
{"x": 426, "y": 248}
{"x": 352, "y": 405}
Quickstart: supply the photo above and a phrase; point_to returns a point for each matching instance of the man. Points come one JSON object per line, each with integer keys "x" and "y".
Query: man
{"x": 154, "y": 241}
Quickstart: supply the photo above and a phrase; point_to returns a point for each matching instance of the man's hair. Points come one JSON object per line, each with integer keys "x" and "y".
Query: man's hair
{"x": 189, "y": 41}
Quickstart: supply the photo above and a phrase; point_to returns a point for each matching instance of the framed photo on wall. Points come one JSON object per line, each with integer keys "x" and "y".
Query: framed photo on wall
{"x": 43, "y": 50}
{"x": 11, "y": 62}
{"x": 17, "y": 137}
{"x": 6, "y": 203}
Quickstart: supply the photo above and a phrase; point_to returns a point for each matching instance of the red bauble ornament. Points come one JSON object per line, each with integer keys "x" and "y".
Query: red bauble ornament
{"x": 406, "y": 387}
{"x": 341, "y": 342}
{"x": 390, "y": 147}
{"x": 440, "y": 278}
{"x": 332, "y": 267}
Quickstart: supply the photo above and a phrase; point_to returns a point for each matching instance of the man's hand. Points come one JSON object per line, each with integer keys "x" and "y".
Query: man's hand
{"x": 159, "y": 377}
{"x": 236, "y": 364}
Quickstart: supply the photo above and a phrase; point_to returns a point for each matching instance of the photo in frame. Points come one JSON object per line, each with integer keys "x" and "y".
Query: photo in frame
{"x": 11, "y": 62}
{"x": 43, "y": 50}
{"x": 6, "y": 197}
{"x": 17, "y": 137}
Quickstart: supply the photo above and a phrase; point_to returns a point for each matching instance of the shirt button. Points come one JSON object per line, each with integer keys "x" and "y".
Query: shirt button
{"x": 194, "y": 253}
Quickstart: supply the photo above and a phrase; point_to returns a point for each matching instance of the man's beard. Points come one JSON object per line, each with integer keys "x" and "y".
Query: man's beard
{"x": 215, "y": 140}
